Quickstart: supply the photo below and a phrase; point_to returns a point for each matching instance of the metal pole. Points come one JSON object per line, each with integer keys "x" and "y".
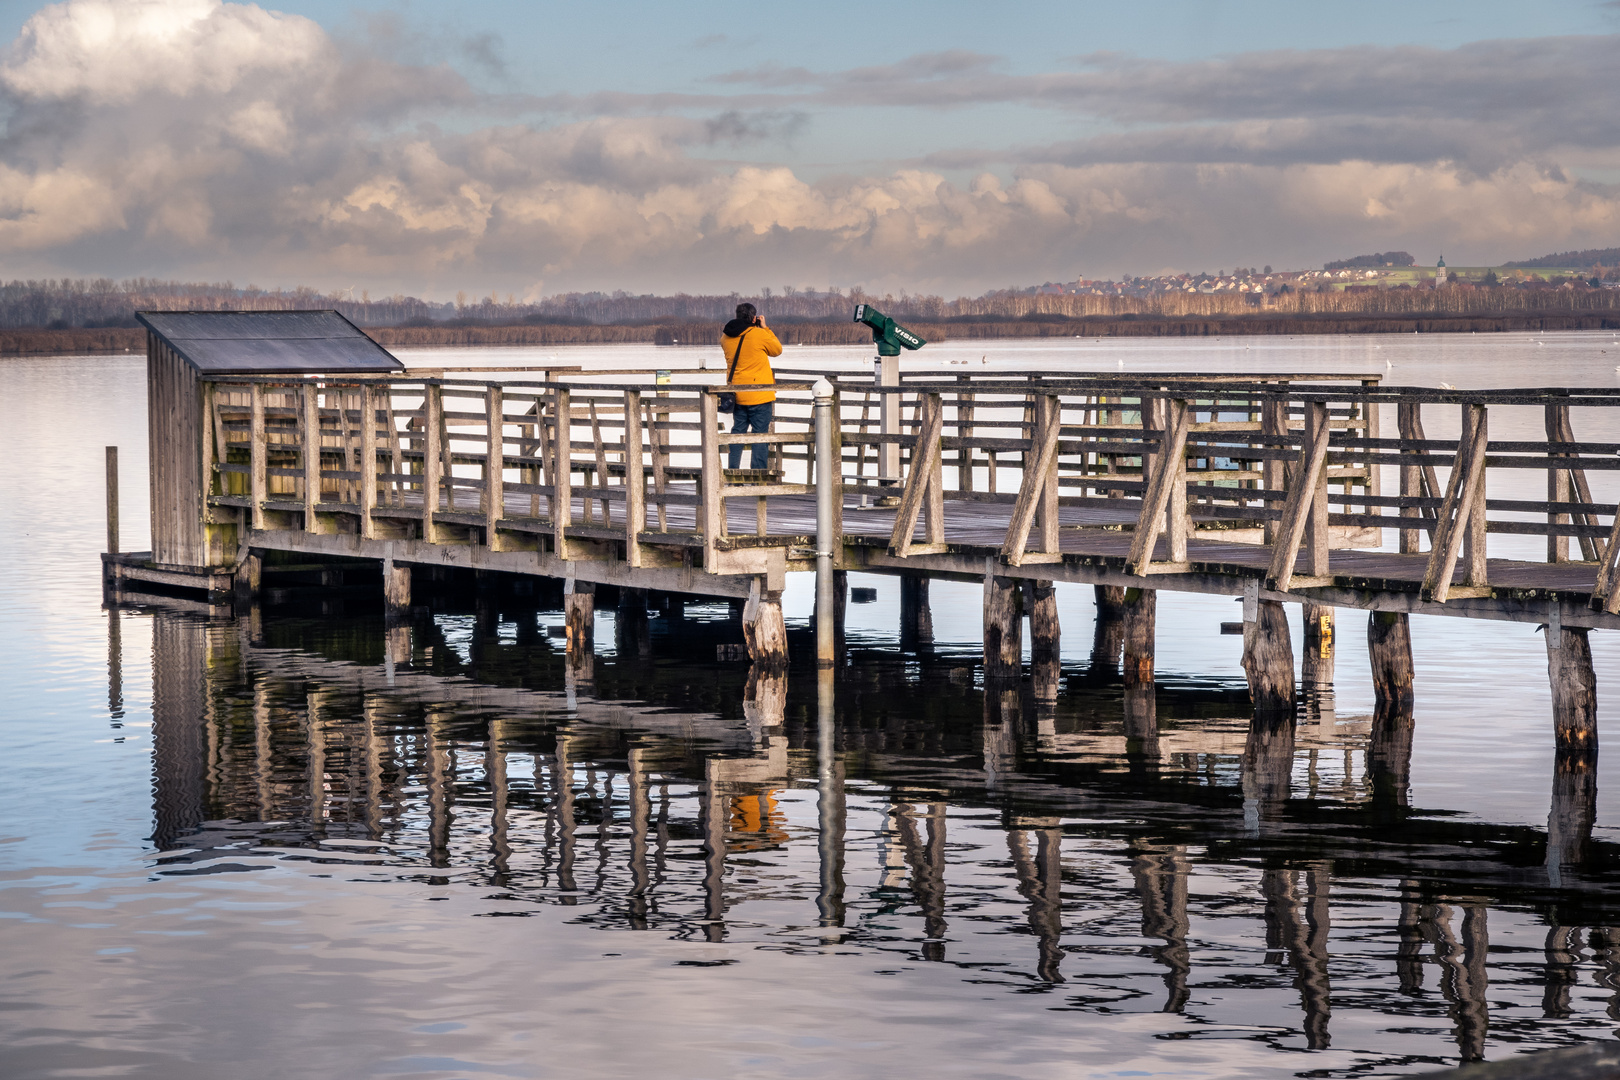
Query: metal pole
{"x": 886, "y": 372}
{"x": 826, "y": 513}
{"x": 112, "y": 500}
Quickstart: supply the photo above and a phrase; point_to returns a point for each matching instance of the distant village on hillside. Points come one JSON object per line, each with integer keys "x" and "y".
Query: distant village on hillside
{"x": 1591, "y": 269}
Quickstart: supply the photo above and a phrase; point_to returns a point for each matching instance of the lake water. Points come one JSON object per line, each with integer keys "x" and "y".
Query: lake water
{"x": 234, "y": 849}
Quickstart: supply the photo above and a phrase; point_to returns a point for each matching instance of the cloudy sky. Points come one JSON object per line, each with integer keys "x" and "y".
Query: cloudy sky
{"x": 533, "y": 148}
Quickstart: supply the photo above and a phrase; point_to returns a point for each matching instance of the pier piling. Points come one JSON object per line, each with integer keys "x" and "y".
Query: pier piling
{"x": 1140, "y": 616}
{"x": 1268, "y": 660}
{"x": 916, "y": 617}
{"x": 1574, "y": 688}
{"x": 1003, "y": 627}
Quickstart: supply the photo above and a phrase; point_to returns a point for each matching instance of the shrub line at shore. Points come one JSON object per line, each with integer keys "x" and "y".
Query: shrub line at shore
{"x": 133, "y": 340}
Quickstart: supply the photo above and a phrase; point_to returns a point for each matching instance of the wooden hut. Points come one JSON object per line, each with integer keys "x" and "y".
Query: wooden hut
{"x": 185, "y": 349}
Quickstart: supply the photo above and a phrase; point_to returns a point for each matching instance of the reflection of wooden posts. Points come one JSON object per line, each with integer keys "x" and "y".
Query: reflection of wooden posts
{"x": 916, "y": 618}
{"x": 632, "y": 631}
{"x": 115, "y": 667}
{"x": 315, "y": 748}
{"x": 1002, "y": 712}
{"x": 1573, "y": 812}
{"x": 263, "y": 752}
{"x": 1563, "y": 951}
{"x": 372, "y": 711}
{"x": 499, "y": 793}
{"x": 1140, "y": 624}
{"x": 1268, "y": 660}
{"x": 179, "y": 723}
{"x": 1141, "y": 726}
{"x": 440, "y": 788}
{"x": 1463, "y": 976}
{"x": 1606, "y": 950}
{"x": 1161, "y": 887}
{"x": 640, "y": 797}
{"x": 1389, "y": 756}
{"x": 927, "y": 863}
{"x": 1040, "y": 882}
{"x": 1003, "y": 627}
{"x": 1299, "y": 925}
{"x": 1268, "y": 766}
{"x": 562, "y": 794}
{"x": 764, "y": 701}
{"x": 1409, "y": 950}
{"x": 713, "y": 809}
{"x": 831, "y": 811}
{"x": 1108, "y": 633}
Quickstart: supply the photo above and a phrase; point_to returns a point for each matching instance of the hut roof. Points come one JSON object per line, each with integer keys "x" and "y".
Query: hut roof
{"x": 269, "y": 342}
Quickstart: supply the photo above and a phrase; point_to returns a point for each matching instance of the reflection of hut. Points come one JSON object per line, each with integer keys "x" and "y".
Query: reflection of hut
{"x": 186, "y": 348}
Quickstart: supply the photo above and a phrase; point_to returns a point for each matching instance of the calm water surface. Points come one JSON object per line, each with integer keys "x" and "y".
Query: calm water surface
{"x": 239, "y": 849}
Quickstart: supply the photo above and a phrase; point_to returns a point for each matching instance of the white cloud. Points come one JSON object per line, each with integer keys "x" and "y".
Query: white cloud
{"x": 200, "y": 138}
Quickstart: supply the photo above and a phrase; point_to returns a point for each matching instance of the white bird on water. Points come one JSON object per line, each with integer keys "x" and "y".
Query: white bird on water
{"x": 1388, "y": 363}
{"x": 1447, "y": 386}
{"x": 1121, "y": 363}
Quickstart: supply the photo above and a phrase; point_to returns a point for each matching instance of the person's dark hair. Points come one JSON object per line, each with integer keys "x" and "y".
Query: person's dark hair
{"x": 747, "y": 312}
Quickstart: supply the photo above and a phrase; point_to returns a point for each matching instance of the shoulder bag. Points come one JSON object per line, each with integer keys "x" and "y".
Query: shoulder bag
{"x": 728, "y": 402}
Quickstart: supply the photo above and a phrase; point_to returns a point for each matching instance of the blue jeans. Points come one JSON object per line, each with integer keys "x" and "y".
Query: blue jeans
{"x": 754, "y": 419}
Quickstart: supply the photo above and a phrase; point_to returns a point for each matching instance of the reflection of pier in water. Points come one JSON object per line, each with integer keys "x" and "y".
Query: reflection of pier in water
{"x": 661, "y": 818}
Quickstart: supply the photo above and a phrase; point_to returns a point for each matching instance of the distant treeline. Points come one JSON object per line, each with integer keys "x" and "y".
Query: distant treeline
{"x": 1382, "y": 258}
{"x": 1589, "y": 257}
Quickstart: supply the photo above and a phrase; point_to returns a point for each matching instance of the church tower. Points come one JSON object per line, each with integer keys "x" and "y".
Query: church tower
{"x": 1440, "y": 272}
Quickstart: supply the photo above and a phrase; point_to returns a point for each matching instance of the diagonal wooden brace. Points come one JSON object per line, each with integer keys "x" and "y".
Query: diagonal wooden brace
{"x": 1033, "y": 493}
{"x": 1305, "y": 479}
{"x": 1169, "y": 469}
{"x": 1465, "y": 496}
{"x": 924, "y": 480}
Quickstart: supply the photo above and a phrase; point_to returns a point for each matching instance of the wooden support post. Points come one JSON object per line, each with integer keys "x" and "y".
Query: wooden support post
{"x": 916, "y": 617}
{"x": 1304, "y": 515}
{"x": 112, "y": 500}
{"x": 258, "y": 458}
{"x": 1273, "y": 470}
{"x": 312, "y": 458}
{"x": 494, "y": 465}
{"x": 1003, "y": 626}
{"x": 1141, "y": 631}
{"x": 396, "y": 588}
{"x": 711, "y": 507}
{"x": 1268, "y": 660}
{"x": 432, "y": 458}
{"x": 1040, "y": 600}
{"x": 635, "y": 480}
{"x": 1574, "y": 688}
{"x": 368, "y": 462}
{"x": 1318, "y": 665}
{"x": 562, "y": 471}
{"x": 1108, "y": 633}
{"x": 631, "y": 631}
{"x": 1389, "y": 651}
{"x": 764, "y": 630}
{"x": 249, "y": 574}
{"x": 579, "y": 611}
{"x": 1573, "y": 486}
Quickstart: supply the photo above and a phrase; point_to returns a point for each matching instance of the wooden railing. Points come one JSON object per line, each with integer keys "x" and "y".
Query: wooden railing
{"x": 560, "y": 465}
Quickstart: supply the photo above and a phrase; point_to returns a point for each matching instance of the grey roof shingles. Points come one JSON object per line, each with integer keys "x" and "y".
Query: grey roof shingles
{"x": 269, "y": 342}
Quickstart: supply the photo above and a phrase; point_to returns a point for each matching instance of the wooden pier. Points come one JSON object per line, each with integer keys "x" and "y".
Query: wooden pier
{"x": 1265, "y": 487}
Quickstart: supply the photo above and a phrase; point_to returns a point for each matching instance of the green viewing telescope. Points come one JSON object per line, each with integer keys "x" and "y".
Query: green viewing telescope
{"x": 889, "y": 336}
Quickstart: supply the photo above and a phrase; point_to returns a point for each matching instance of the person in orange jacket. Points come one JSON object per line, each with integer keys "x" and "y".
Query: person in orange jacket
{"x": 749, "y": 345}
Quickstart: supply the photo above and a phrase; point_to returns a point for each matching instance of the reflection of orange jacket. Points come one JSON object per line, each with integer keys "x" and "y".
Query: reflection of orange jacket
{"x": 753, "y": 367}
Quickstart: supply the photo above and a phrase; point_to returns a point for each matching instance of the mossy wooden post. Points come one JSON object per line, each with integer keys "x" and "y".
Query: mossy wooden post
{"x": 1574, "y": 688}
{"x": 1141, "y": 627}
{"x": 764, "y": 630}
{"x": 1318, "y": 657}
{"x": 1389, "y": 651}
{"x": 1003, "y": 626}
{"x": 579, "y": 608}
{"x": 1040, "y": 600}
{"x": 1268, "y": 660}
{"x": 396, "y": 588}
{"x": 249, "y": 573}
{"x": 916, "y": 618}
